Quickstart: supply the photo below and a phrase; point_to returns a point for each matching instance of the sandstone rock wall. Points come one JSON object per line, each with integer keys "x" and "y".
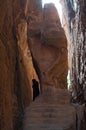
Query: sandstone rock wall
{"x": 48, "y": 46}
{"x": 77, "y": 45}
{"x": 27, "y": 71}
{"x": 28, "y": 33}
{"x": 8, "y": 56}
{"x": 16, "y": 68}
{"x": 74, "y": 25}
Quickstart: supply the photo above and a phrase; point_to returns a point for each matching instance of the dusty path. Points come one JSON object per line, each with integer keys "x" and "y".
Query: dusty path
{"x": 52, "y": 112}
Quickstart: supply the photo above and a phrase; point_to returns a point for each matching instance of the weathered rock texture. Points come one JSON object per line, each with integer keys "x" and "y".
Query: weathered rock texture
{"x": 16, "y": 69}
{"x": 75, "y": 17}
{"x": 27, "y": 72}
{"x": 29, "y": 33}
{"x": 48, "y": 46}
{"x": 8, "y": 53}
{"x": 77, "y": 44}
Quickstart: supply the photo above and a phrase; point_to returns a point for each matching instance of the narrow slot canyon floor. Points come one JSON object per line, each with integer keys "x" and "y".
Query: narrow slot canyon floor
{"x": 52, "y": 112}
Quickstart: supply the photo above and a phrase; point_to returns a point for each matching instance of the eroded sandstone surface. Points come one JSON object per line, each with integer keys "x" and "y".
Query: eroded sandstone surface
{"x": 16, "y": 68}
{"x": 48, "y": 47}
{"x": 33, "y": 45}
{"x": 75, "y": 27}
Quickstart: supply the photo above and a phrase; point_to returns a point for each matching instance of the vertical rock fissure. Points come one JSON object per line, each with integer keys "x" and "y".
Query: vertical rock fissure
{"x": 18, "y": 91}
{"x": 76, "y": 122}
{"x": 75, "y": 31}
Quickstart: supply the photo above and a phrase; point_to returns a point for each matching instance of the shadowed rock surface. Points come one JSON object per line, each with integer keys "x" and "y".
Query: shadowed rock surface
{"x": 77, "y": 52}
{"x": 16, "y": 67}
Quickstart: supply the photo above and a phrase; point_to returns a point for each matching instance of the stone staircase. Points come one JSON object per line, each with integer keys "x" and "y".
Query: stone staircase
{"x": 52, "y": 112}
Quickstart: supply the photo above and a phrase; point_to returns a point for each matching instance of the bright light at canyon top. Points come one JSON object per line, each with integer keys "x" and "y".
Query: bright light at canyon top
{"x": 57, "y": 5}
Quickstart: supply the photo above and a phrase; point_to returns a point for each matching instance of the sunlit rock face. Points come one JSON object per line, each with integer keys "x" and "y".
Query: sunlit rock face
{"x": 27, "y": 71}
{"x": 52, "y": 30}
{"x": 48, "y": 46}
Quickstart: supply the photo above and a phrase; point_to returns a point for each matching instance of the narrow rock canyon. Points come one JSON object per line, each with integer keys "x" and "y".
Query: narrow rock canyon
{"x": 34, "y": 45}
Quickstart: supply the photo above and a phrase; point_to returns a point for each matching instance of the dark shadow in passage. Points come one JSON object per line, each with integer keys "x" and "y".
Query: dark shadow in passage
{"x": 35, "y": 86}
